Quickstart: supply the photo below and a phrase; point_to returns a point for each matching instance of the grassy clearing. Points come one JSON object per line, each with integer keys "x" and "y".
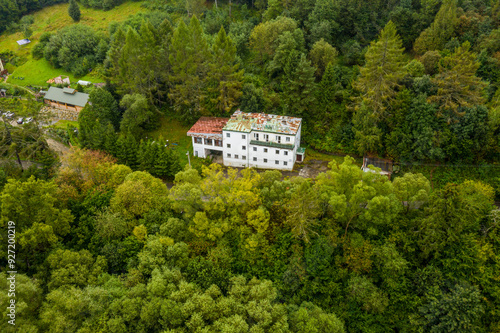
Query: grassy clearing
{"x": 64, "y": 124}
{"x": 312, "y": 154}
{"x": 174, "y": 131}
{"x": 37, "y": 72}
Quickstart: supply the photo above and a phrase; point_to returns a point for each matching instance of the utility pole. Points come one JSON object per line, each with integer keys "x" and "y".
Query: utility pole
{"x": 189, "y": 160}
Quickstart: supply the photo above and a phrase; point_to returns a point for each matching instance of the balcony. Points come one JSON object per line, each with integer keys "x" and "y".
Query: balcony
{"x": 271, "y": 144}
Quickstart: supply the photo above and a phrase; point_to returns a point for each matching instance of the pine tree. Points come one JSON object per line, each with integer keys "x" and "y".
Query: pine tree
{"x": 329, "y": 90}
{"x": 147, "y": 154}
{"x": 114, "y": 54}
{"x": 383, "y": 70}
{"x": 440, "y": 31}
{"x": 189, "y": 54}
{"x": 74, "y": 10}
{"x": 162, "y": 161}
{"x": 127, "y": 150}
{"x": 224, "y": 77}
{"x": 110, "y": 140}
{"x": 299, "y": 89}
{"x": 458, "y": 85}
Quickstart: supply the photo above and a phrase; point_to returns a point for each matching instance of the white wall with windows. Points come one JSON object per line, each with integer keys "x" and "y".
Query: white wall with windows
{"x": 235, "y": 148}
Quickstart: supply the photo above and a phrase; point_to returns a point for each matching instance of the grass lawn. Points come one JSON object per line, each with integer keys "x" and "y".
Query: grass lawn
{"x": 174, "y": 131}
{"x": 65, "y": 123}
{"x": 311, "y": 154}
{"x": 37, "y": 72}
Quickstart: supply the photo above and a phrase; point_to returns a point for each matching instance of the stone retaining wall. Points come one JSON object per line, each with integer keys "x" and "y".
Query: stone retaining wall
{"x": 61, "y": 113}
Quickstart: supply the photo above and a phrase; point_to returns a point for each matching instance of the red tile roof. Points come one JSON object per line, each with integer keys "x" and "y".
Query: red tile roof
{"x": 209, "y": 125}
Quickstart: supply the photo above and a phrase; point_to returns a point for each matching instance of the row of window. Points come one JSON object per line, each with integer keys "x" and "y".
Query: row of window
{"x": 209, "y": 142}
{"x": 236, "y": 156}
{"x": 255, "y": 149}
{"x": 265, "y": 137}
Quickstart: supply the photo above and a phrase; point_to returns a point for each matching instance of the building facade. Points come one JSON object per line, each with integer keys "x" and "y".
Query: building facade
{"x": 251, "y": 140}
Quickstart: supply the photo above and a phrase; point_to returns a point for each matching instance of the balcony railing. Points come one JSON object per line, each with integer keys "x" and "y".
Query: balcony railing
{"x": 271, "y": 144}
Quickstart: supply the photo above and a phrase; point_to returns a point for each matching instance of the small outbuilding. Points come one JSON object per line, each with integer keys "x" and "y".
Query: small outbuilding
{"x": 384, "y": 164}
{"x": 23, "y": 41}
{"x": 66, "y": 98}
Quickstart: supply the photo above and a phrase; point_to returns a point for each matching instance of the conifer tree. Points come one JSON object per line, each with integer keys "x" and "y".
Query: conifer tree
{"x": 382, "y": 72}
{"x": 440, "y": 31}
{"x": 188, "y": 58}
{"x": 224, "y": 76}
{"x": 127, "y": 150}
{"x": 74, "y": 10}
{"x": 110, "y": 140}
{"x": 148, "y": 152}
{"x": 458, "y": 85}
{"x": 329, "y": 90}
{"x": 162, "y": 162}
{"x": 114, "y": 54}
{"x": 299, "y": 89}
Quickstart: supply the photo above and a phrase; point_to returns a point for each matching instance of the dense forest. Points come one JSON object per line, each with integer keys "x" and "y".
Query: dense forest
{"x": 104, "y": 245}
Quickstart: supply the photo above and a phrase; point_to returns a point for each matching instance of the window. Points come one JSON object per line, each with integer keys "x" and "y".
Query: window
{"x": 287, "y": 139}
{"x": 278, "y": 138}
{"x": 228, "y": 145}
{"x": 266, "y": 137}
{"x": 243, "y": 136}
{"x": 208, "y": 142}
{"x": 285, "y": 163}
{"x": 277, "y": 152}
{"x": 265, "y": 160}
{"x": 236, "y": 156}
{"x": 243, "y": 157}
{"x": 244, "y": 147}
{"x": 254, "y": 148}
{"x": 285, "y": 152}
{"x": 277, "y": 162}
{"x": 265, "y": 150}
{"x": 197, "y": 140}
{"x": 229, "y": 155}
{"x": 256, "y": 136}
{"x": 255, "y": 159}
{"x": 228, "y": 135}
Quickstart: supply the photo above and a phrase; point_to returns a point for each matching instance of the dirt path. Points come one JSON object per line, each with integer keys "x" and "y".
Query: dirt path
{"x": 58, "y": 147}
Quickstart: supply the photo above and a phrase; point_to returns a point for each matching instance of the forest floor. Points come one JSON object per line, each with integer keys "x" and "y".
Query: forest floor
{"x": 54, "y": 18}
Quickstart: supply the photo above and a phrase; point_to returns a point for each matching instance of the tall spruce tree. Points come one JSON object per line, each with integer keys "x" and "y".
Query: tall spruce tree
{"x": 74, "y": 10}
{"x": 224, "y": 76}
{"x": 189, "y": 60}
{"x": 299, "y": 89}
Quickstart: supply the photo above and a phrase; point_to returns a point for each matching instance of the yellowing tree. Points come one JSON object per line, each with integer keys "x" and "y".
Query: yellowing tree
{"x": 458, "y": 85}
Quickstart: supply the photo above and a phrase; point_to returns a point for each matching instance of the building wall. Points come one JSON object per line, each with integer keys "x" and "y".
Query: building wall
{"x": 266, "y": 158}
{"x": 234, "y": 155}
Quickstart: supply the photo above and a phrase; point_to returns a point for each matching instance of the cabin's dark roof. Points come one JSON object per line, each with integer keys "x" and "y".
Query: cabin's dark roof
{"x": 58, "y": 95}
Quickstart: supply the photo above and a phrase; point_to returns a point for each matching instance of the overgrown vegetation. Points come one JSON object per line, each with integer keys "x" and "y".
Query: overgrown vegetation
{"x": 236, "y": 251}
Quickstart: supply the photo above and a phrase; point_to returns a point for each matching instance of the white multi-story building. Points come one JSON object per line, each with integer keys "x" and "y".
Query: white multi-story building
{"x": 250, "y": 140}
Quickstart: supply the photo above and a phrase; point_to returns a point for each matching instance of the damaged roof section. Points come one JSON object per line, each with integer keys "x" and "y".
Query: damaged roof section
{"x": 247, "y": 122}
{"x": 208, "y": 125}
